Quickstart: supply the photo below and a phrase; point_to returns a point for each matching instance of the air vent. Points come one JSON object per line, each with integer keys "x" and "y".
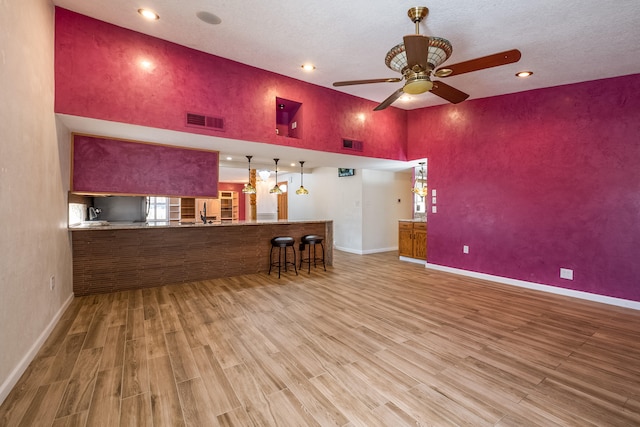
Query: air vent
{"x": 349, "y": 144}
{"x": 202, "y": 121}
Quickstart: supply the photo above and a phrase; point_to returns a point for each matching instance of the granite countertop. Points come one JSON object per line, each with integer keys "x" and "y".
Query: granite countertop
{"x": 413, "y": 220}
{"x": 118, "y": 225}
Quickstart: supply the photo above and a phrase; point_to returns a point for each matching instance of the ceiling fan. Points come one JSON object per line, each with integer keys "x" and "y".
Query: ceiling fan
{"x": 417, "y": 59}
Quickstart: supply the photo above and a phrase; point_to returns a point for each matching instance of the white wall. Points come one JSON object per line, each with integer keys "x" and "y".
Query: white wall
{"x": 386, "y": 198}
{"x": 34, "y": 181}
{"x": 364, "y": 208}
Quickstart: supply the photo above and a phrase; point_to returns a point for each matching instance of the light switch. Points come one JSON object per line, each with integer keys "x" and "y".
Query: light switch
{"x": 433, "y": 200}
{"x": 433, "y": 192}
{"x": 434, "y": 209}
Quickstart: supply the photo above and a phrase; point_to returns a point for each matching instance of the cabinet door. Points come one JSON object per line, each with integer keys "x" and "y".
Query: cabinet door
{"x": 405, "y": 239}
{"x": 420, "y": 244}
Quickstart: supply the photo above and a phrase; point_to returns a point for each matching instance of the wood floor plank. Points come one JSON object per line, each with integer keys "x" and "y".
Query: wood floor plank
{"x": 44, "y": 405}
{"x": 222, "y": 396}
{"x": 135, "y": 323}
{"x": 184, "y": 367}
{"x": 195, "y": 402}
{"x": 113, "y": 350}
{"x": 136, "y": 411}
{"x": 105, "y": 405}
{"x": 165, "y": 403}
{"x": 65, "y": 359}
{"x": 135, "y": 379}
{"x": 371, "y": 341}
{"x": 78, "y": 394}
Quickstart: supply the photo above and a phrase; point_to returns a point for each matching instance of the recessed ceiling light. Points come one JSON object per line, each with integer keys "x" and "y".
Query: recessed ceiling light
{"x": 149, "y": 14}
{"x": 209, "y": 18}
{"x": 524, "y": 74}
{"x": 229, "y": 158}
{"x": 293, "y": 164}
{"x": 308, "y": 67}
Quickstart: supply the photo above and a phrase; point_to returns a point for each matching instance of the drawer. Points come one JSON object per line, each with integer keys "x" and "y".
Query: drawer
{"x": 405, "y": 225}
{"x": 420, "y": 226}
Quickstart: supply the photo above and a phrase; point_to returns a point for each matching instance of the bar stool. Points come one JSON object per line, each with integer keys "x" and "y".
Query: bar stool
{"x": 312, "y": 240}
{"x": 282, "y": 243}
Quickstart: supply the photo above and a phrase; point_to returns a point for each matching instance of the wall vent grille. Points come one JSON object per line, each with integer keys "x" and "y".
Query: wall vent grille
{"x": 202, "y": 121}
{"x": 349, "y": 144}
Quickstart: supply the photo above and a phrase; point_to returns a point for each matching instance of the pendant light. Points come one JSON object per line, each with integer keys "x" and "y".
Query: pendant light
{"x": 276, "y": 189}
{"x": 248, "y": 188}
{"x": 418, "y": 187}
{"x": 302, "y": 190}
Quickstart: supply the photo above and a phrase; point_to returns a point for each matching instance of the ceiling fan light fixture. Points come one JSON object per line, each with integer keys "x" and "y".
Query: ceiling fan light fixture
{"x": 417, "y": 84}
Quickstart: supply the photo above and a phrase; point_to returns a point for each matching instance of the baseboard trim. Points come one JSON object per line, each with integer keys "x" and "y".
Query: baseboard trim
{"x": 635, "y": 305}
{"x": 17, "y": 372}
{"x": 413, "y": 260}
{"x": 366, "y": 252}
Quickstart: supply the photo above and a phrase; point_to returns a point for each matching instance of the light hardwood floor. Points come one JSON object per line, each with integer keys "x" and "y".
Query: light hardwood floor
{"x": 371, "y": 342}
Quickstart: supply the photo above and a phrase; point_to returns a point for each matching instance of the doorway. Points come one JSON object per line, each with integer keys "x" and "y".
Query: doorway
{"x": 283, "y": 201}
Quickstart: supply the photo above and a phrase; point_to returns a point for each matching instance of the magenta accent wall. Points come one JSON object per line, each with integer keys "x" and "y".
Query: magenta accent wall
{"x": 98, "y": 74}
{"x": 112, "y": 166}
{"x": 536, "y": 181}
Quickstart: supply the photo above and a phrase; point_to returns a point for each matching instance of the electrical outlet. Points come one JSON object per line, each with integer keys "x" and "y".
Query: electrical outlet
{"x": 465, "y": 249}
{"x": 52, "y": 283}
{"x": 566, "y": 273}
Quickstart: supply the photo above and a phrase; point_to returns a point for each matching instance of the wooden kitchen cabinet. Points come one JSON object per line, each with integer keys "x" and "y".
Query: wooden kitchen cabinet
{"x": 187, "y": 209}
{"x": 213, "y": 209}
{"x": 174, "y": 209}
{"x": 412, "y": 239}
{"x": 228, "y": 205}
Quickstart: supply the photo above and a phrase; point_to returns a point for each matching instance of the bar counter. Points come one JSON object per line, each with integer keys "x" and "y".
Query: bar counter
{"x": 126, "y": 256}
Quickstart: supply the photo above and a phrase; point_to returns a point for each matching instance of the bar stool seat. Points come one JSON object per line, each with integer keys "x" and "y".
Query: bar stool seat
{"x": 312, "y": 240}
{"x": 282, "y": 243}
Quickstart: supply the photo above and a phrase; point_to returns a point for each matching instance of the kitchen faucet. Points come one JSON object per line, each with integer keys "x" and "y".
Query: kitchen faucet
{"x": 93, "y": 213}
{"x": 203, "y": 214}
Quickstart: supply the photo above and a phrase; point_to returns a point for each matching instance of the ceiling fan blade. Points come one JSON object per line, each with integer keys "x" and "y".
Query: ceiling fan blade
{"x": 449, "y": 93}
{"x": 362, "y": 82}
{"x": 416, "y": 46}
{"x": 495, "y": 60}
{"x": 390, "y": 100}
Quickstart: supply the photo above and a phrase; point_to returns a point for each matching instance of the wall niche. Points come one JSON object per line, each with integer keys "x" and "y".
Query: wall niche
{"x": 288, "y": 118}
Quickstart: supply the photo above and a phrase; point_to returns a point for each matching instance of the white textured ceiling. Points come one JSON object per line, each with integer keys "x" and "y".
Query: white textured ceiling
{"x": 562, "y": 41}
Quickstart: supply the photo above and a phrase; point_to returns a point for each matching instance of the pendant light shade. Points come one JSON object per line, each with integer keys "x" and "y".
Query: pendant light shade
{"x": 302, "y": 190}
{"x": 276, "y": 189}
{"x": 418, "y": 186}
{"x": 248, "y": 188}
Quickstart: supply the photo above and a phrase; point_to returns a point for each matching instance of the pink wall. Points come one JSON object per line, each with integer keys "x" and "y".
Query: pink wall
{"x": 536, "y": 181}
{"x": 98, "y": 74}
{"x": 113, "y": 166}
